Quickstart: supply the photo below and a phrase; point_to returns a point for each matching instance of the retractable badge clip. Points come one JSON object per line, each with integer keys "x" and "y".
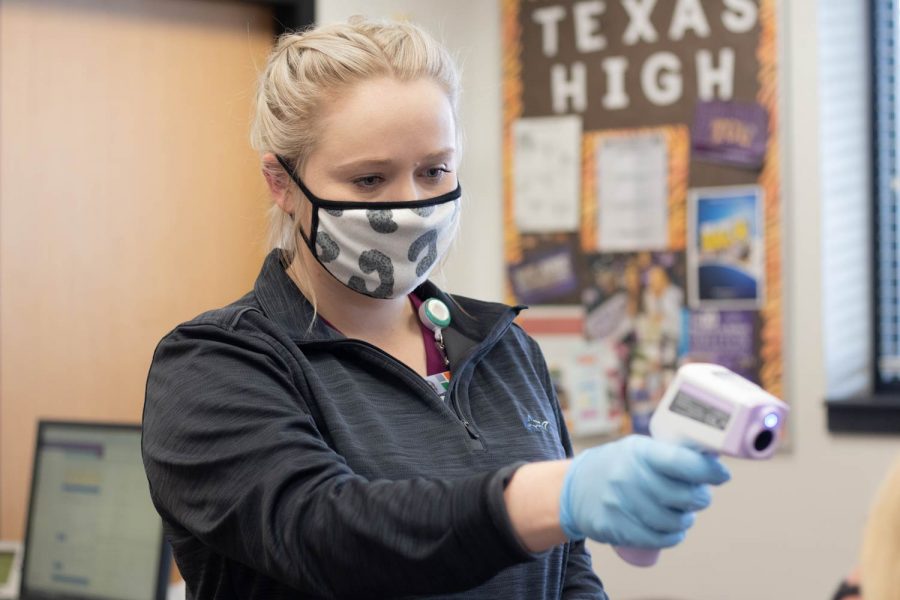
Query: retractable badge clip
{"x": 435, "y": 315}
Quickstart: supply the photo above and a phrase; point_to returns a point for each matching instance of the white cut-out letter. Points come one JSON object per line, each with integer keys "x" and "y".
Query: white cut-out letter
{"x": 615, "y": 97}
{"x": 640, "y": 28}
{"x": 688, "y": 15}
{"x": 711, "y": 78}
{"x": 569, "y": 89}
{"x": 548, "y": 17}
{"x": 661, "y": 78}
{"x": 587, "y": 26}
{"x": 740, "y": 16}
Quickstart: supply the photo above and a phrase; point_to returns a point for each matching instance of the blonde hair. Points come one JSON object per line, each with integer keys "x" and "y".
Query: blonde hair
{"x": 880, "y": 557}
{"x": 307, "y": 68}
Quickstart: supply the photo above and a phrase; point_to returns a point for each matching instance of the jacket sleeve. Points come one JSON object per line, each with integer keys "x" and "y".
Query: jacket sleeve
{"x": 233, "y": 455}
{"x": 580, "y": 582}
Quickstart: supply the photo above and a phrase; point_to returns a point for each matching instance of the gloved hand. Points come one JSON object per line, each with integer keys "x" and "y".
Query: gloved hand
{"x": 637, "y": 492}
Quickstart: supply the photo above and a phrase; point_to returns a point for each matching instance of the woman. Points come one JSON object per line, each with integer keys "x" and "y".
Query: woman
{"x": 878, "y": 575}
{"x": 326, "y": 435}
{"x": 880, "y": 556}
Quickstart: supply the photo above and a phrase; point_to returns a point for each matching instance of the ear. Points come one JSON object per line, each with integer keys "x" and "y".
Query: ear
{"x": 279, "y": 182}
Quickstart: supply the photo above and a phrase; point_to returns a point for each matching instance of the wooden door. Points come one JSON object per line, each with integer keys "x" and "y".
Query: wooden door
{"x": 130, "y": 200}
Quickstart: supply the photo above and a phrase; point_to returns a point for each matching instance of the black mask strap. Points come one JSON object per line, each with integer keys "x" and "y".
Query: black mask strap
{"x": 312, "y": 199}
{"x": 317, "y": 202}
{"x": 296, "y": 179}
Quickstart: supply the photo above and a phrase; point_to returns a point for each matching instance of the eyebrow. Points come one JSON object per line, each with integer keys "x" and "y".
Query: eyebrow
{"x": 385, "y": 162}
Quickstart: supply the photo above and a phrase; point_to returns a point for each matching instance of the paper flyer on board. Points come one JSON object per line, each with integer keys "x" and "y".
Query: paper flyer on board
{"x": 726, "y": 266}
{"x": 547, "y": 173}
{"x": 633, "y": 193}
{"x": 585, "y": 374}
{"x": 635, "y": 302}
{"x": 586, "y": 378}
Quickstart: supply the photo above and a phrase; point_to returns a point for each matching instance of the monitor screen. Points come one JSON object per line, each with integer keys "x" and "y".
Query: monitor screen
{"x": 6, "y": 562}
{"x": 92, "y": 530}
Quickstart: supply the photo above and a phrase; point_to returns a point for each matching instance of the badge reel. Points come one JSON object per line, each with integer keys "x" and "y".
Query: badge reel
{"x": 435, "y": 315}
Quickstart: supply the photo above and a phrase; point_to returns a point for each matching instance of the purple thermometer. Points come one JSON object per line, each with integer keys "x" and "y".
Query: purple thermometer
{"x": 713, "y": 409}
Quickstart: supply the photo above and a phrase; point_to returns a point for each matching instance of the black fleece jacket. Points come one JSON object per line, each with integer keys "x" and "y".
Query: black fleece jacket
{"x": 290, "y": 462}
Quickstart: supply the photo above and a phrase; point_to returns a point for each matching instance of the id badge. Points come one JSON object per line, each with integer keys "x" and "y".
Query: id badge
{"x": 440, "y": 383}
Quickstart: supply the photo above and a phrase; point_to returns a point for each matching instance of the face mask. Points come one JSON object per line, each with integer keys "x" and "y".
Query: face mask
{"x": 380, "y": 249}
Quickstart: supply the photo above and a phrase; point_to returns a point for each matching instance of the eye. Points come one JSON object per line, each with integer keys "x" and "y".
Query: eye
{"x": 367, "y": 181}
{"x": 436, "y": 173}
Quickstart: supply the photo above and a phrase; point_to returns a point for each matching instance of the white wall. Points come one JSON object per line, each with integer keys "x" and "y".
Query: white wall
{"x": 786, "y": 529}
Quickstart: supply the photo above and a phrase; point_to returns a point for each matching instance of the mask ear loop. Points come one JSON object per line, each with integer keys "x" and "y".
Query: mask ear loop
{"x": 314, "y": 224}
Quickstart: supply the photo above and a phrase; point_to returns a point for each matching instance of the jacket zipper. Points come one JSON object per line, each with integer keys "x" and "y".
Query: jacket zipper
{"x": 486, "y": 344}
{"x": 413, "y": 377}
{"x": 452, "y": 403}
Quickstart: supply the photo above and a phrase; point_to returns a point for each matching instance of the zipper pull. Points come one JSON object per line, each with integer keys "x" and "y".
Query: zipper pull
{"x": 474, "y": 441}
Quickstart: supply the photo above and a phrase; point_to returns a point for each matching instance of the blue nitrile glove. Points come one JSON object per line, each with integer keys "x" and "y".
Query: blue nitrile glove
{"x": 637, "y": 492}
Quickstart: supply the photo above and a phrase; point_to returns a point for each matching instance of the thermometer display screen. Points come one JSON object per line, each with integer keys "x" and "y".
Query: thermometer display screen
{"x": 692, "y": 408}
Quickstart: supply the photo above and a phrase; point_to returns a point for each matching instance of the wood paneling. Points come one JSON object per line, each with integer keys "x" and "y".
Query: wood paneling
{"x": 129, "y": 200}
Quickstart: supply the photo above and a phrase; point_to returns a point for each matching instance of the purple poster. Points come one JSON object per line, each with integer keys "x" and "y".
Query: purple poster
{"x": 732, "y": 133}
{"x": 727, "y": 338}
{"x": 544, "y": 277}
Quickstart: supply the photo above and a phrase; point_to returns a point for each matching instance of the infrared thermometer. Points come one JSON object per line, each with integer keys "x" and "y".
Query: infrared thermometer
{"x": 712, "y": 409}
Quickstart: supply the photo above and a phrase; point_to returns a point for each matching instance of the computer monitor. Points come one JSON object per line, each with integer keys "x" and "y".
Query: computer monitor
{"x": 92, "y": 531}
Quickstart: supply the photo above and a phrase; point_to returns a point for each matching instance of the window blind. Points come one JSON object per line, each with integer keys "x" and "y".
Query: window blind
{"x": 887, "y": 275}
{"x": 846, "y": 194}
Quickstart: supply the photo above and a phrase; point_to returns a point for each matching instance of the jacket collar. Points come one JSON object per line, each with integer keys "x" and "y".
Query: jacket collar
{"x": 471, "y": 320}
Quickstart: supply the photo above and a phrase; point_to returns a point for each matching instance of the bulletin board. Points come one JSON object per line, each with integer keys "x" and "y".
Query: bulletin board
{"x": 642, "y": 204}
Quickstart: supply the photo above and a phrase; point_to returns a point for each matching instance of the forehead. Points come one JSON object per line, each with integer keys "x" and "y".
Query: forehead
{"x": 386, "y": 115}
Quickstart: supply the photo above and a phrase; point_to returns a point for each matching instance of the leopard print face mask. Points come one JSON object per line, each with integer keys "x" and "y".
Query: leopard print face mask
{"x": 380, "y": 249}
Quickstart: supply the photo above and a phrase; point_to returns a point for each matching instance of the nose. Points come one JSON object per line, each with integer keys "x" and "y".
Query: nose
{"x": 405, "y": 188}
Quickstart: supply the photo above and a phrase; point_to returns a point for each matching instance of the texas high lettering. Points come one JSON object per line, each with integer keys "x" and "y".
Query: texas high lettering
{"x": 628, "y": 56}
